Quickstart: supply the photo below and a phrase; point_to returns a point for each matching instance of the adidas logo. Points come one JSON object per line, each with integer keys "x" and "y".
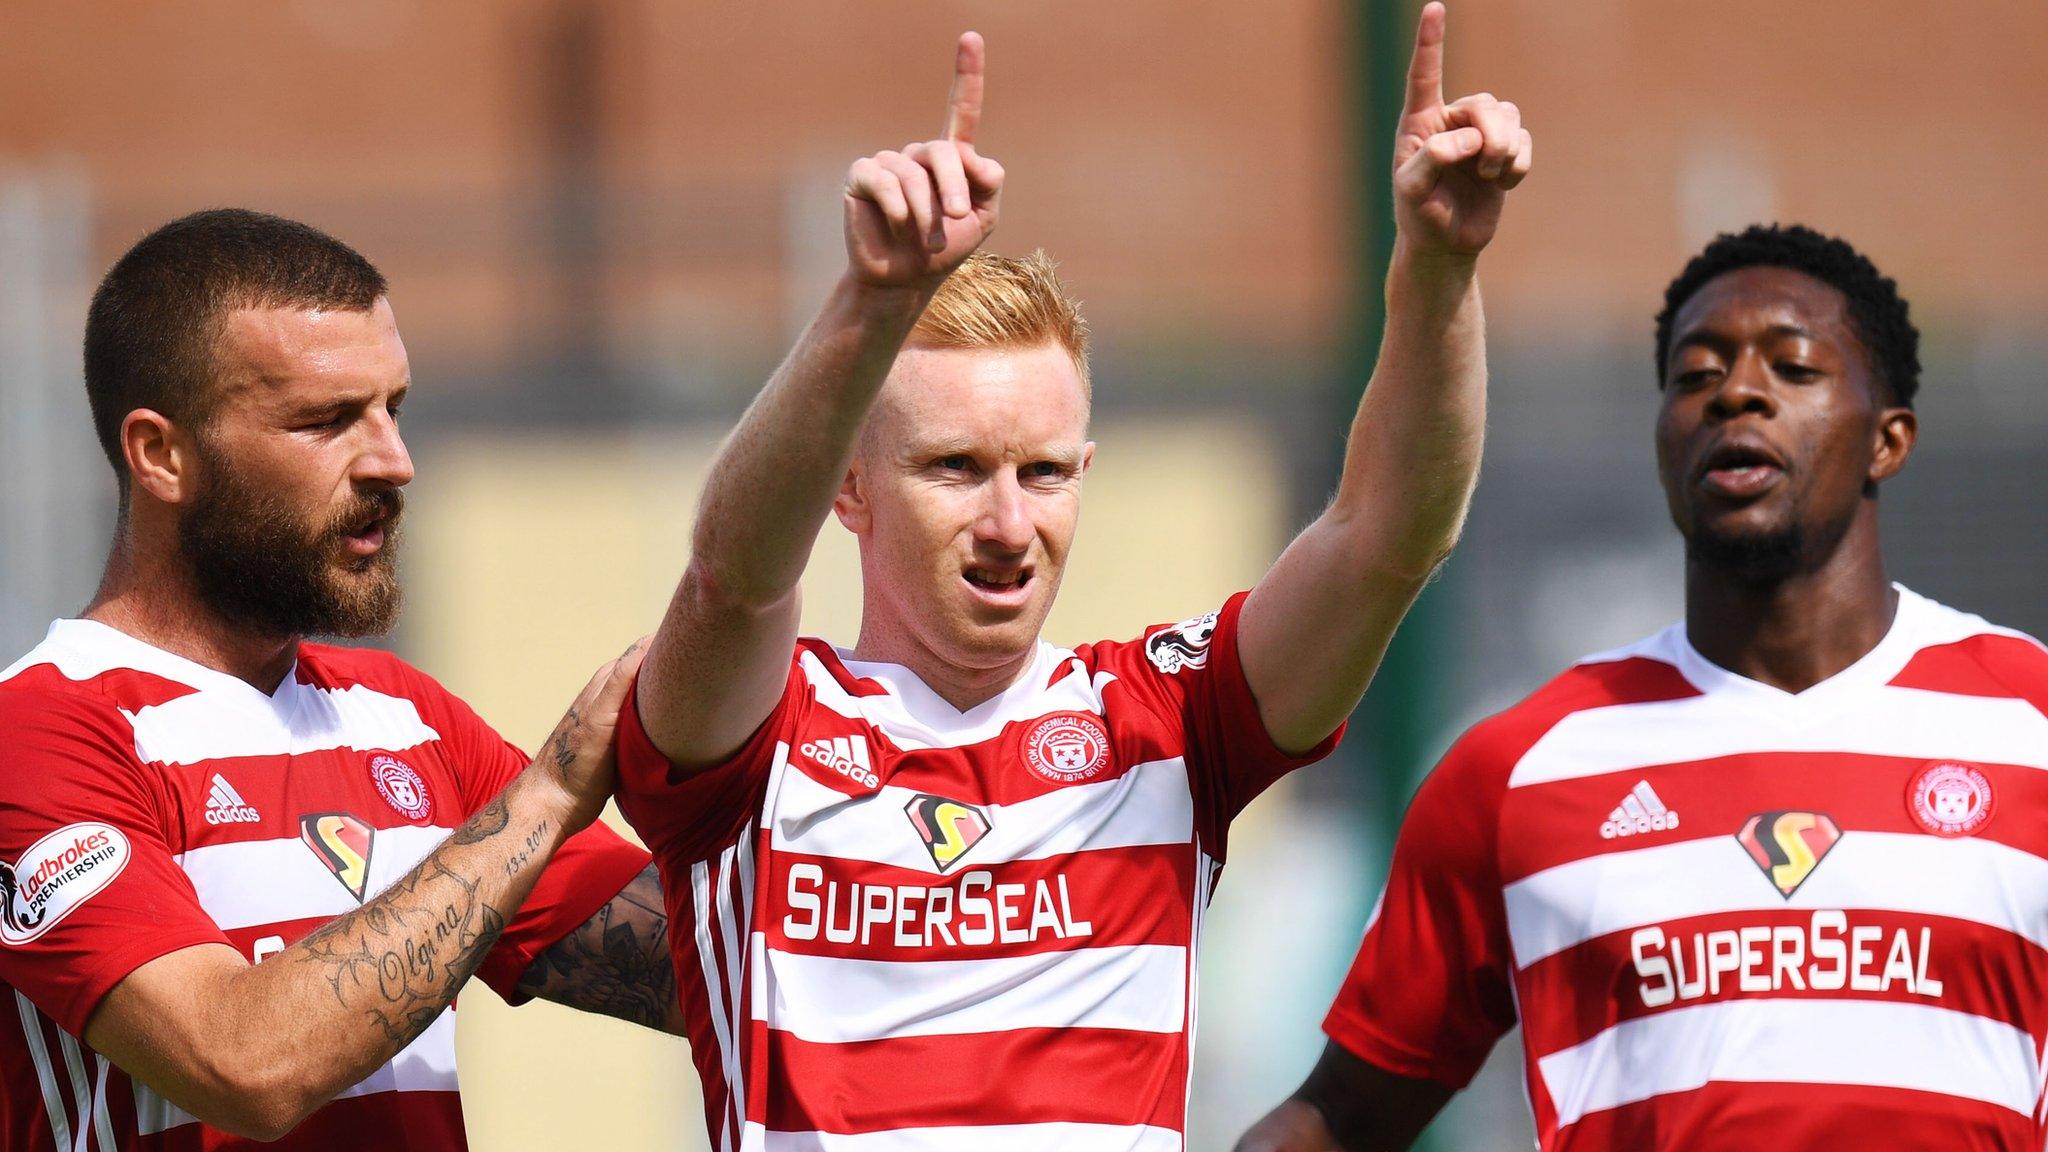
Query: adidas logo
{"x": 846, "y": 755}
{"x": 225, "y": 806}
{"x": 1640, "y": 811}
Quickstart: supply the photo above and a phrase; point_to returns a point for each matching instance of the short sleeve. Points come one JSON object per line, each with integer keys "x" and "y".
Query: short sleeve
{"x": 586, "y": 872}
{"x": 688, "y": 816}
{"x": 1192, "y": 671}
{"x": 91, "y": 887}
{"x": 1429, "y": 992}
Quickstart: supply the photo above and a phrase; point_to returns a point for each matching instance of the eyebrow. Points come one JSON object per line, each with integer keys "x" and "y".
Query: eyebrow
{"x": 1068, "y": 454}
{"x": 1711, "y": 338}
{"x": 1799, "y": 331}
{"x": 345, "y": 398}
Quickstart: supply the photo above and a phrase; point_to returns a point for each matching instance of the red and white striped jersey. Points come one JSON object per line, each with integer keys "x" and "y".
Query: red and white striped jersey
{"x": 1730, "y": 917}
{"x": 898, "y": 925}
{"x": 149, "y": 804}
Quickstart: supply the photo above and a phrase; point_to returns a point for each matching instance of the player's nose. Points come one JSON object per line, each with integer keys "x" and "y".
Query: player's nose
{"x": 385, "y": 459}
{"x": 1005, "y": 519}
{"x": 1746, "y": 387}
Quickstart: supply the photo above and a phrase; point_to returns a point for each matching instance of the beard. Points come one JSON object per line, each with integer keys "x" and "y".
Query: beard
{"x": 259, "y": 566}
{"x": 1749, "y": 558}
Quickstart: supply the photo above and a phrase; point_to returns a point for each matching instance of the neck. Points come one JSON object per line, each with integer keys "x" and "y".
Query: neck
{"x": 146, "y": 593}
{"x": 1797, "y": 631}
{"x": 963, "y": 688}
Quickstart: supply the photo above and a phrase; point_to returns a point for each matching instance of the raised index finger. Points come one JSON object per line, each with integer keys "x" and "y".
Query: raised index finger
{"x": 963, "y": 106}
{"x": 1426, "y": 69}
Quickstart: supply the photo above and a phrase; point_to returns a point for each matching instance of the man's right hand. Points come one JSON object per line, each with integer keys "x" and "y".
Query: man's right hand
{"x": 913, "y": 215}
{"x": 579, "y": 757}
{"x": 720, "y": 661}
{"x": 255, "y": 1048}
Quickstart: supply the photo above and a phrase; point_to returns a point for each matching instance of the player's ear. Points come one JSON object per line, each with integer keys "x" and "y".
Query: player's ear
{"x": 851, "y": 505}
{"x": 1087, "y": 457}
{"x": 162, "y": 458}
{"x": 1897, "y": 429}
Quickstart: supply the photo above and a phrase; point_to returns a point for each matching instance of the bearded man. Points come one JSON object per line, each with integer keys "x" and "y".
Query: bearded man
{"x": 242, "y": 876}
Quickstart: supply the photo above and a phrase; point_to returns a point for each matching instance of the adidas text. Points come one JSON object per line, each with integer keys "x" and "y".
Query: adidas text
{"x": 225, "y": 806}
{"x": 846, "y": 755}
{"x": 1640, "y": 811}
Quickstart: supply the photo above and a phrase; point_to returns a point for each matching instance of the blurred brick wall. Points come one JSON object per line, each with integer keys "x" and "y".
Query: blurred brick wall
{"x": 1183, "y": 159}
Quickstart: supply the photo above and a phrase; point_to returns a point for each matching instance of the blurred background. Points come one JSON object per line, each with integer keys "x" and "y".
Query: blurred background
{"x": 604, "y": 220}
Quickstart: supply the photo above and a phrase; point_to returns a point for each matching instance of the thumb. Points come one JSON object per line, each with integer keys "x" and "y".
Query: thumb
{"x": 1421, "y": 172}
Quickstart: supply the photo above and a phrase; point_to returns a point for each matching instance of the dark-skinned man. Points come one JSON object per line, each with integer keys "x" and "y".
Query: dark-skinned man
{"x": 1775, "y": 877}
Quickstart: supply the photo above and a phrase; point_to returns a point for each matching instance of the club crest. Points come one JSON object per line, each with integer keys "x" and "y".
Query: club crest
{"x": 1950, "y": 799}
{"x": 401, "y": 787}
{"x": 1067, "y": 747}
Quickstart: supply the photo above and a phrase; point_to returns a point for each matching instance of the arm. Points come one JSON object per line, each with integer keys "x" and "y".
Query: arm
{"x": 254, "y": 1048}
{"x": 1348, "y": 1105}
{"x": 616, "y": 963}
{"x": 720, "y": 659}
{"x": 1430, "y": 990}
{"x": 1318, "y": 623}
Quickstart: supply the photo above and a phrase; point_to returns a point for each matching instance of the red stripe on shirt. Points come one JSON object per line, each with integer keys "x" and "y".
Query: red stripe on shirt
{"x": 1022, "y": 1076}
{"x": 1573, "y": 995}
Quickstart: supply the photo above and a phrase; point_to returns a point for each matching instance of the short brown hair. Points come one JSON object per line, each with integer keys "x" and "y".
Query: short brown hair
{"x": 154, "y": 323}
{"x": 993, "y": 301}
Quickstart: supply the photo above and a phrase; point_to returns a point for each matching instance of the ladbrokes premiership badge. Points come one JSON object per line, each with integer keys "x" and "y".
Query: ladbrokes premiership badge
{"x": 1950, "y": 799}
{"x": 1067, "y": 747}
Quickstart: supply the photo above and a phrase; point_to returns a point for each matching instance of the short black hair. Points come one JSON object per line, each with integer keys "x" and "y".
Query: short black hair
{"x": 1876, "y": 312}
{"x": 157, "y": 316}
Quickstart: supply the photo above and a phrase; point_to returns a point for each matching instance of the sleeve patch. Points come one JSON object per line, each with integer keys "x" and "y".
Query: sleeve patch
{"x": 57, "y": 874}
{"x": 1182, "y": 645}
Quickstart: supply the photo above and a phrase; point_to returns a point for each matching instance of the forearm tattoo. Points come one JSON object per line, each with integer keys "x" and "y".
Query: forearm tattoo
{"x": 400, "y": 959}
{"x": 615, "y": 963}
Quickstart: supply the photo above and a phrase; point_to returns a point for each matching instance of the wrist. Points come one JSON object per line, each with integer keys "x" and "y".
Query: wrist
{"x": 883, "y": 303}
{"x": 1432, "y": 268}
{"x": 1431, "y": 283}
{"x": 538, "y": 797}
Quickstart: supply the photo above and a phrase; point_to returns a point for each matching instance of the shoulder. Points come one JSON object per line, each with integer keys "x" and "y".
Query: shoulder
{"x": 35, "y": 704}
{"x": 1166, "y": 649}
{"x": 1965, "y": 655}
{"x": 65, "y": 741}
{"x": 1641, "y": 673}
{"x": 76, "y": 672}
{"x": 340, "y": 668}
{"x": 54, "y": 690}
{"x": 343, "y": 666}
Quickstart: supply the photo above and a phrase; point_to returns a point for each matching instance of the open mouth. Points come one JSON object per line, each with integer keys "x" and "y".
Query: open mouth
{"x": 1740, "y": 469}
{"x": 367, "y": 539}
{"x": 999, "y": 583}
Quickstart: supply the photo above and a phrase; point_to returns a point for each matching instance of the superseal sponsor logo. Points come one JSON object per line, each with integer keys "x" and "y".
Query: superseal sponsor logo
{"x": 973, "y": 911}
{"x": 1827, "y": 954}
{"x": 57, "y": 874}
